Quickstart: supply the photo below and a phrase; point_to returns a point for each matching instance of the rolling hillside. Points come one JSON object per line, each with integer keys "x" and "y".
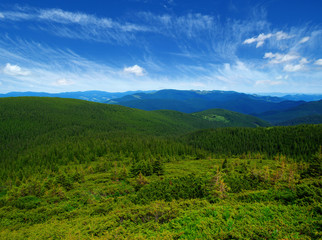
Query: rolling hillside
{"x": 51, "y": 126}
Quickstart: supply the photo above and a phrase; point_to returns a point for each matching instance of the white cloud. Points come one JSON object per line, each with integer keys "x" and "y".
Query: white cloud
{"x": 14, "y": 70}
{"x": 136, "y": 70}
{"x": 293, "y": 68}
{"x": 304, "y": 61}
{"x": 318, "y": 62}
{"x": 280, "y": 77}
{"x": 282, "y": 35}
{"x": 268, "y": 82}
{"x": 63, "y": 82}
{"x": 260, "y": 39}
{"x": 305, "y": 39}
{"x": 1, "y": 15}
{"x": 280, "y": 58}
{"x": 296, "y": 67}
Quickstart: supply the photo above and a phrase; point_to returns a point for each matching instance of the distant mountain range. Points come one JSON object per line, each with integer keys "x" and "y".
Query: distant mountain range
{"x": 195, "y": 101}
{"x": 285, "y": 110}
{"x": 102, "y": 96}
{"x": 93, "y": 96}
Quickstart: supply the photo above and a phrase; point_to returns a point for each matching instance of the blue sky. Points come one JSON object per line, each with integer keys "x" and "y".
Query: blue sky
{"x": 252, "y": 46}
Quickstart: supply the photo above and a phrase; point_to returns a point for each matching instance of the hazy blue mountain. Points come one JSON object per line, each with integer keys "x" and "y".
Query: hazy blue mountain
{"x": 195, "y": 101}
{"x": 94, "y": 96}
{"x": 310, "y": 112}
{"x": 294, "y": 96}
{"x": 303, "y": 97}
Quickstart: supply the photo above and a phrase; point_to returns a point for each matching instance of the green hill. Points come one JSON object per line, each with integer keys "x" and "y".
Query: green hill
{"x": 55, "y": 130}
{"x": 231, "y": 119}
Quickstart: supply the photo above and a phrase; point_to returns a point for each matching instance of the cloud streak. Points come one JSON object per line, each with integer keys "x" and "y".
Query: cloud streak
{"x": 76, "y": 25}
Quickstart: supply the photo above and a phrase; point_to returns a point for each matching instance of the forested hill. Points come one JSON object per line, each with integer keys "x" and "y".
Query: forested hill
{"x": 49, "y": 127}
{"x": 42, "y": 115}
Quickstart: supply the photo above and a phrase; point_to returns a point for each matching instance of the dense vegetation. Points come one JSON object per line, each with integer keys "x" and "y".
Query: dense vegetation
{"x": 72, "y": 169}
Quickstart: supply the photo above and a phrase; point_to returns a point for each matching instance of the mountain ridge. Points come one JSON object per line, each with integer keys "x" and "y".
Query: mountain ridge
{"x": 194, "y": 101}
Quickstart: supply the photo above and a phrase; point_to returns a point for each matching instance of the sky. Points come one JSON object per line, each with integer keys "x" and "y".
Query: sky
{"x": 251, "y": 46}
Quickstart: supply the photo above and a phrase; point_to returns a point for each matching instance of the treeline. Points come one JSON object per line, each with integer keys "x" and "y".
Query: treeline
{"x": 297, "y": 142}
{"x": 83, "y": 149}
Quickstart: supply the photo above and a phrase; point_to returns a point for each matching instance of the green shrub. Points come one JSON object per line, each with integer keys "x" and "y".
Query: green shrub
{"x": 187, "y": 187}
{"x": 27, "y": 202}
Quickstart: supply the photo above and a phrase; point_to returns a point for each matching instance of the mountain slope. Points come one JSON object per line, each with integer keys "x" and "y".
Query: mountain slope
{"x": 195, "y": 101}
{"x": 56, "y": 130}
{"x": 94, "y": 96}
{"x": 41, "y": 115}
{"x": 310, "y": 112}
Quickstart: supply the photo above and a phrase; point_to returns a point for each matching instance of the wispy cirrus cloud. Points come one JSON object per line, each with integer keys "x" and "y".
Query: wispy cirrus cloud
{"x": 193, "y": 33}
{"x": 75, "y": 24}
{"x": 304, "y": 40}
